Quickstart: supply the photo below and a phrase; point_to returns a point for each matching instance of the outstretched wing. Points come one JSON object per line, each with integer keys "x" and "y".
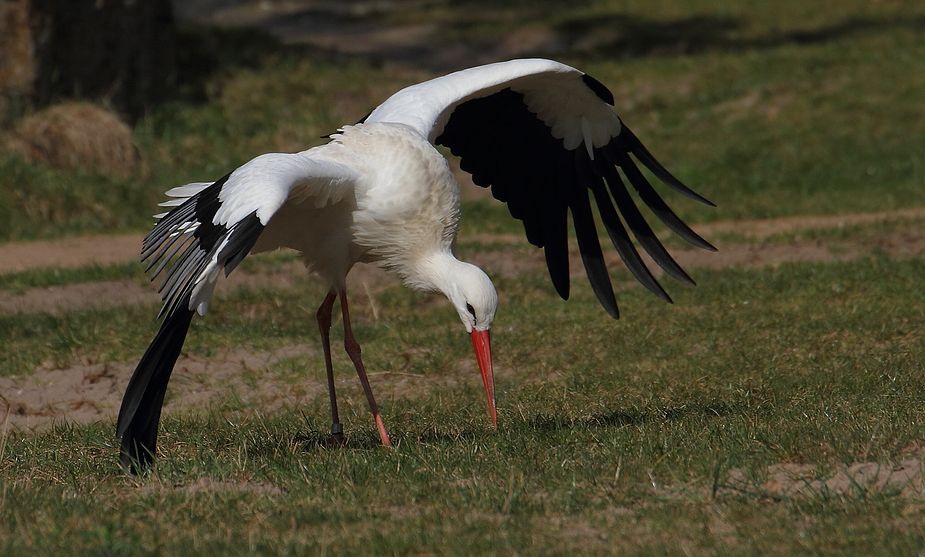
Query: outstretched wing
{"x": 215, "y": 225}
{"x": 543, "y": 135}
{"x": 212, "y": 228}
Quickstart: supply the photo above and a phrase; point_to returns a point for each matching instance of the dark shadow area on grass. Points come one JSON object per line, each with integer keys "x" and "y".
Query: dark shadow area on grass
{"x": 471, "y": 32}
{"x": 551, "y": 422}
{"x": 446, "y": 436}
{"x": 205, "y": 50}
{"x": 313, "y": 439}
{"x": 624, "y": 36}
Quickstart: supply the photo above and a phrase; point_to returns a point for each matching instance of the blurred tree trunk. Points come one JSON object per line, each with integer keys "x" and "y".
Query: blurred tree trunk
{"x": 120, "y": 52}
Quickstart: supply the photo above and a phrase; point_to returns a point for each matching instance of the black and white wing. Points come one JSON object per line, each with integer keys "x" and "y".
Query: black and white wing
{"x": 211, "y": 229}
{"x": 543, "y": 135}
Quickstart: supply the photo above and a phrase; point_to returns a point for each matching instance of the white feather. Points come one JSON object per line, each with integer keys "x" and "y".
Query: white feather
{"x": 263, "y": 184}
{"x": 586, "y": 134}
{"x": 555, "y": 92}
{"x": 205, "y": 284}
{"x": 188, "y": 190}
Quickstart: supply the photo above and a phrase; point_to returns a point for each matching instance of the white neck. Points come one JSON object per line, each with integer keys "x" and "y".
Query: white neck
{"x": 437, "y": 272}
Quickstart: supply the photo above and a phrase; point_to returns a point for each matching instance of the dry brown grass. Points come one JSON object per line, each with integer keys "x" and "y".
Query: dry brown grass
{"x": 77, "y": 135}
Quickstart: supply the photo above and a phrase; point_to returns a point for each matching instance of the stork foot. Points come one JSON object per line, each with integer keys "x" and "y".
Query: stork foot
{"x": 337, "y": 438}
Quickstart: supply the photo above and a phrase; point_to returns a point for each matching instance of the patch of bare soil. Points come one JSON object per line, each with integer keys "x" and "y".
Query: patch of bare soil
{"x": 899, "y": 241}
{"x": 764, "y": 228}
{"x": 358, "y": 30}
{"x": 60, "y": 299}
{"x": 93, "y": 392}
{"x": 68, "y": 253}
{"x": 78, "y": 252}
{"x": 861, "y": 479}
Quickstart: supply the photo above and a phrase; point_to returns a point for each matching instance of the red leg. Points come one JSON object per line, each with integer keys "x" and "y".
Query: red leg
{"x": 353, "y": 350}
{"x": 324, "y": 324}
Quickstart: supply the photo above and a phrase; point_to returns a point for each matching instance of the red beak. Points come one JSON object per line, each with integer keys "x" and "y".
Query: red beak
{"x": 481, "y": 341}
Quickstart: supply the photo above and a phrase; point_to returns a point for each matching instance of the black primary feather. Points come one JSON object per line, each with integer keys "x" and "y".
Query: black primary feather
{"x": 614, "y": 226}
{"x": 506, "y": 147}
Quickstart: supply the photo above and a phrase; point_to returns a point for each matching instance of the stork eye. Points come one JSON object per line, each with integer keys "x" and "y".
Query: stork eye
{"x": 471, "y": 310}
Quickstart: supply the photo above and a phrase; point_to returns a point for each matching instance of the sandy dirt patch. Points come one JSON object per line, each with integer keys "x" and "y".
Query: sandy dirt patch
{"x": 68, "y": 297}
{"x": 69, "y": 253}
{"x": 93, "y": 392}
{"x": 764, "y": 228}
{"x": 860, "y": 479}
{"x": 106, "y": 250}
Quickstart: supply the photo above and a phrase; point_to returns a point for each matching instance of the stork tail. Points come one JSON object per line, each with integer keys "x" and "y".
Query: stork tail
{"x": 141, "y": 406}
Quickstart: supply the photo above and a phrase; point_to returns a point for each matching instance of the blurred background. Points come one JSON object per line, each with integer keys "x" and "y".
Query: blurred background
{"x": 770, "y": 108}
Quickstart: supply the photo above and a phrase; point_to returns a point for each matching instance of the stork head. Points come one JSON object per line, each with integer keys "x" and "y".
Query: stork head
{"x": 474, "y": 296}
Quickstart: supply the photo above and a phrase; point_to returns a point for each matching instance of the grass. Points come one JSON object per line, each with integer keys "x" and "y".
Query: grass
{"x": 605, "y": 442}
{"x": 17, "y": 283}
{"x": 615, "y": 437}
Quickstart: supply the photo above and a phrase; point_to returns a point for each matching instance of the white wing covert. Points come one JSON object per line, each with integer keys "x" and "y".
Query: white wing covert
{"x": 214, "y": 225}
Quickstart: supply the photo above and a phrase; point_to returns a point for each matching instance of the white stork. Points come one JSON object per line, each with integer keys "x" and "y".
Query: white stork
{"x": 541, "y": 134}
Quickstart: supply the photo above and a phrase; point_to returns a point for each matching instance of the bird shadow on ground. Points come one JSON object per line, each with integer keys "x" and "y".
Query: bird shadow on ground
{"x": 552, "y": 423}
{"x": 314, "y": 439}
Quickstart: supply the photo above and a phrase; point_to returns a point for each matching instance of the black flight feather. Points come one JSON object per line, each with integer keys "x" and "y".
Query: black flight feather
{"x": 615, "y": 229}
{"x": 628, "y": 141}
{"x": 190, "y": 231}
